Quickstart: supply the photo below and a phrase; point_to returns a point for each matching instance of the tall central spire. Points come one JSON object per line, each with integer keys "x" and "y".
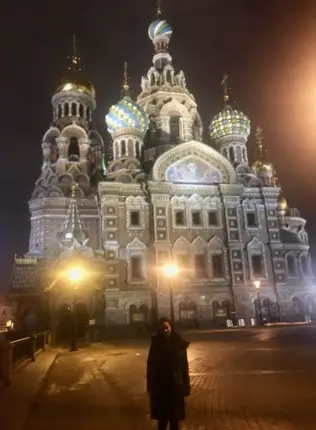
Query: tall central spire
{"x": 261, "y": 152}
{"x": 74, "y": 59}
{"x": 126, "y": 87}
{"x": 159, "y": 8}
{"x": 225, "y": 89}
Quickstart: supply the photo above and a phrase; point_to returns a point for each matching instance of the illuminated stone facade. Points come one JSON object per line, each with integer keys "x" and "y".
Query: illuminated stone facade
{"x": 168, "y": 197}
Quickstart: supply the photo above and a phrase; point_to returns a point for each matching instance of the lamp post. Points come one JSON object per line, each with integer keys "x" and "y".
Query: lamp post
{"x": 170, "y": 271}
{"x": 257, "y": 285}
{"x": 74, "y": 275}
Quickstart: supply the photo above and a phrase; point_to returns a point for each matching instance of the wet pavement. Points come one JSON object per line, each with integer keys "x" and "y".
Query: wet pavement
{"x": 261, "y": 379}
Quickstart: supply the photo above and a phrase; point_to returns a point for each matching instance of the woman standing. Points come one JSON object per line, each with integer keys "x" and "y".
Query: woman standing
{"x": 168, "y": 381}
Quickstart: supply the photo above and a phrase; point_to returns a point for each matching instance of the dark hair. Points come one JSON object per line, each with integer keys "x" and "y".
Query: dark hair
{"x": 162, "y": 320}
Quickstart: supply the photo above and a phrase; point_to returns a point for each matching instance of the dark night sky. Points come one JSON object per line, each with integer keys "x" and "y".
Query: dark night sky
{"x": 268, "y": 49}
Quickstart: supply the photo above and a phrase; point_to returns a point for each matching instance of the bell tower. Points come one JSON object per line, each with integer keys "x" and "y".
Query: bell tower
{"x": 72, "y": 153}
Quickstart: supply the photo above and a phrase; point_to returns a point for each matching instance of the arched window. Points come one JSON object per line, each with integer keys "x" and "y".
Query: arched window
{"x": 123, "y": 147}
{"x": 169, "y": 77}
{"x": 137, "y": 149}
{"x": 59, "y": 114}
{"x": 88, "y": 113}
{"x": 66, "y": 109}
{"x": 244, "y": 158}
{"x": 291, "y": 265}
{"x": 73, "y": 150}
{"x": 174, "y": 124}
{"x": 73, "y": 109}
{"x": 152, "y": 79}
{"x": 81, "y": 110}
{"x": 231, "y": 154}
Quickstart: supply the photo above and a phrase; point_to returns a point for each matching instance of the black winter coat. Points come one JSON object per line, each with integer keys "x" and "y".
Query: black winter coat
{"x": 168, "y": 381}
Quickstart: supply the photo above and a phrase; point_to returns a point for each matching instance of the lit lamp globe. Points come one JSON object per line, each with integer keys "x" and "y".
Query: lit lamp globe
{"x": 257, "y": 284}
{"x": 75, "y": 274}
{"x": 170, "y": 270}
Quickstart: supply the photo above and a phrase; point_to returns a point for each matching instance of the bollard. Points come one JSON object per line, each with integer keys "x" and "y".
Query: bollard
{"x": 32, "y": 347}
{"x": 6, "y": 362}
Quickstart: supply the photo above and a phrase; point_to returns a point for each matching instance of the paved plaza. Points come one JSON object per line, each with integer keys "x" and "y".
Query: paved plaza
{"x": 261, "y": 379}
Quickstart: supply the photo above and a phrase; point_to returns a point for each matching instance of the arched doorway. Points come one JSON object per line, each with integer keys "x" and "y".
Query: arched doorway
{"x": 221, "y": 312}
{"x": 138, "y": 317}
{"x": 188, "y": 314}
{"x": 298, "y": 310}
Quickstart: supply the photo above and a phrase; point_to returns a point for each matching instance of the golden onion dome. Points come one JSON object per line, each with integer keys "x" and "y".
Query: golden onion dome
{"x": 261, "y": 166}
{"x": 74, "y": 80}
{"x": 282, "y": 203}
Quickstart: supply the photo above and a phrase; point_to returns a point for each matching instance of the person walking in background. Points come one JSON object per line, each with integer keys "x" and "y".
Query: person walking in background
{"x": 168, "y": 381}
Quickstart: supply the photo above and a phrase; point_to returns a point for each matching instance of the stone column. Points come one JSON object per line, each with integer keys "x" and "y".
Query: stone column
{"x": 62, "y": 143}
{"x": 46, "y": 153}
{"x": 84, "y": 146}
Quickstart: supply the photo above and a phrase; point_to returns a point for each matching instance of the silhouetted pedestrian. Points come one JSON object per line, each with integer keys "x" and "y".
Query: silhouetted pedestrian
{"x": 168, "y": 381}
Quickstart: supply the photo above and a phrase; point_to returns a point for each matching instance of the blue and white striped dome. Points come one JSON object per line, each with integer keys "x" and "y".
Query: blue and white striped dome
{"x": 159, "y": 27}
{"x": 127, "y": 115}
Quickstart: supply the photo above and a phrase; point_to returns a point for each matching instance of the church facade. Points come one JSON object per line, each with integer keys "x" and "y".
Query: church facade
{"x": 165, "y": 197}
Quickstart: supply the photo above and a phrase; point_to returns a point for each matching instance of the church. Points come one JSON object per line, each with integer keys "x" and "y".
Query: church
{"x": 164, "y": 198}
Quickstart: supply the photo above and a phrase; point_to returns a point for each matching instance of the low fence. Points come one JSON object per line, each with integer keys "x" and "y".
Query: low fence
{"x": 14, "y": 353}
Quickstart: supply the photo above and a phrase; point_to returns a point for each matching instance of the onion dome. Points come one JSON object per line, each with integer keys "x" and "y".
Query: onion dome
{"x": 230, "y": 122}
{"x": 127, "y": 117}
{"x": 74, "y": 79}
{"x": 282, "y": 204}
{"x": 261, "y": 166}
{"x": 159, "y": 27}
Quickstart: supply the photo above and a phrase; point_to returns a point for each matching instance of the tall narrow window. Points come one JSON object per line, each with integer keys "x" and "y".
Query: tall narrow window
{"x": 200, "y": 266}
{"x": 66, "y": 109}
{"x": 251, "y": 219}
{"x": 88, "y": 113}
{"x": 73, "y": 109}
{"x": 291, "y": 265}
{"x": 138, "y": 150}
{"x": 231, "y": 154}
{"x": 212, "y": 218}
{"x": 73, "y": 150}
{"x": 136, "y": 267}
{"x": 174, "y": 124}
{"x": 179, "y": 218}
{"x": 218, "y": 266}
{"x": 81, "y": 111}
{"x": 135, "y": 218}
{"x": 196, "y": 218}
{"x": 123, "y": 147}
{"x": 257, "y": 266}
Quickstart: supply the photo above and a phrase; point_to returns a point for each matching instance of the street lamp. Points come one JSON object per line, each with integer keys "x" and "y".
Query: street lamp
{"x": 74, "y": 275}
{"x": 257, "y": 285}
{"x": 170, "y": 271}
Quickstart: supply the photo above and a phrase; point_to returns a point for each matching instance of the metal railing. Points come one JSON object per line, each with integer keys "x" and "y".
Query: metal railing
{"x": 15, "y": 352}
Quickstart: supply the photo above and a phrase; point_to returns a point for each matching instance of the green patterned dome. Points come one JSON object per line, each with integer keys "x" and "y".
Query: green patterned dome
{"x": 228, "y": 122}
